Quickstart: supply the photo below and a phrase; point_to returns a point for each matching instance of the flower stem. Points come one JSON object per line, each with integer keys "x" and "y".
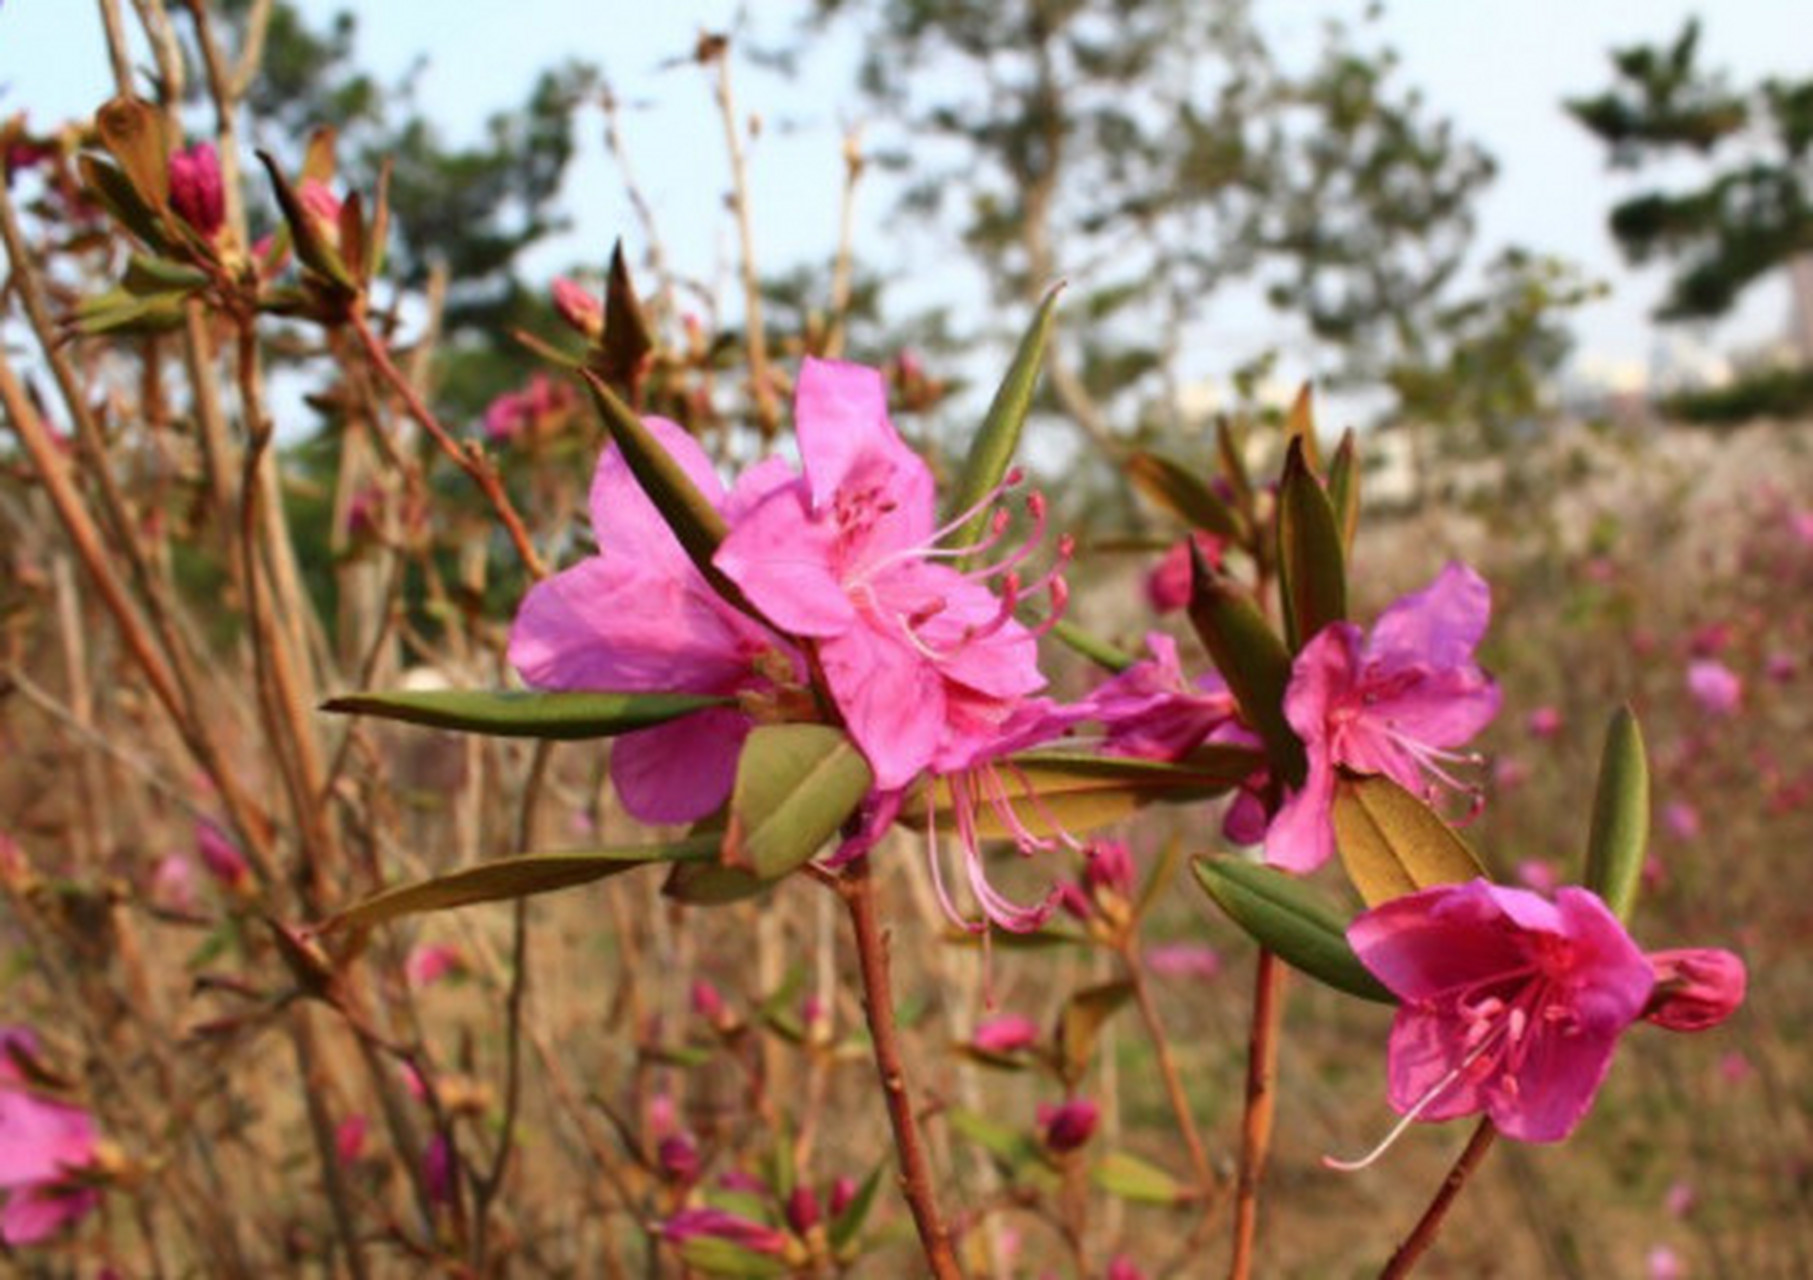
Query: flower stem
{"x": 1423, "y": 1234}
{"x": 1261, "y": 1095}
{"x": 1173, "y": 1082}
{"x": 857, "y": 890}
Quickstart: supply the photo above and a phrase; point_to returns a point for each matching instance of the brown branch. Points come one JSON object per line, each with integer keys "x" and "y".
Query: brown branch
{"x": 1168, "y": 1073}
{"x": 1261, "y": 1098}
{"x": 843, "y": 265}
{"x": 761, "y": 378}
{"x": 857, "y": 889}
{"x": 1417, "y": 1243}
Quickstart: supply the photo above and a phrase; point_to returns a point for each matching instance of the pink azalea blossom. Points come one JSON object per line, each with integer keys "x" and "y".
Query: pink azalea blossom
{"x": 1513, "y": 1004}
{"x": 1716, "y": 687}
{"x": 196, "y": 190}
{"x": 1695, "y": 988}
{"x": 640, "y": 617}
{"x": 1680, "y": 1199}
{"x": 1184, "y": 960}
{"x": 720, "y": 1224}
{"x": 1544, "y": 722}
{"x": 1395, "y": 702}
{"x": 1068, "y": 1125}
{"x": 43, "y": 1143}
{"x": 1008, "y": 1033}
{"x": 1663, "y": 1263}
{"x": 920, "y": 656}
{"x": 1681, "y": 819}
{"x": 1121, "y": 1267}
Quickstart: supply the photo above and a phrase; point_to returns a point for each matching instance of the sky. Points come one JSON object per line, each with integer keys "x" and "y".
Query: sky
{"x": 1499, "y": 68}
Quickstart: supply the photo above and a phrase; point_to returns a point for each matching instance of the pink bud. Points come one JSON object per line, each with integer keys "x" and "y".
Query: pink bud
{"x": 323, "y": 209}
{"x": 349, "y": 1138}
{"x": 1544, "y": 722}
{"x": 1122, "y": 1268}
{"x": 221, "y": 857}
{"x": 1664, "y": 1263}
{"x": 1008, "y": 1033}
{"x": 1069, "y": 1125}
{"x": 1109, "y": 868}
{"x": 678, "y": 1158}
{"x": 1781, "y": 667}
{"x": 1168, "y": 585}
{"x": 1681, "y": 819}
{"x": 708, "y": 1002}
{"x": 576, "y": 305}
{"x": 1680, "y": 1199}
{"x": 196, "y": 191}
{"x": 1695, "y": 988}
{"x": 437, "y": 1169}
{"x": 173, "y": 885}
{"x": 802, "y": 1210}
{"x": 1710, "y": 640}
{"x": 1074, "y": 901}
{"x": 428, "y": 964}
{"x": 663, "y": 1116}
{"x": 721, "y": 1224}
{"x": 843, "y": 1194}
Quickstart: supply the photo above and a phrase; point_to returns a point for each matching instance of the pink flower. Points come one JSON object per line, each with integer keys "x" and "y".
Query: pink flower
{"x": 843, "y": 1194}
{"x": 1153, "y": 711}
{"x": 678, "y": 1157}
{"x": 349, "y": 1138}
{"x": 196, "y": 191}
{"x": 1538, "y": 874}
{"x": 1695, "y": 989}
{"x": 574, "y": 632}
{"x": 1008, "y": 1033}
{"x": 43, "y": 1143}
{"x": 1168, "y": 585}
{"x": 1394, "y": 702}
{"x": 1680, "y": 1199}
{"x": 1184, "y": 960}
{"x": 1735, "y": 1068}
{"x": 427, "y": 964}
{"x": 1068, "y": 1125}
{"x": 920, "y": 657}
{"x": 1800, "y": 524}
{"x": 1782, "y": 667}
{"x": 1716, "y": 687}
{"x": 1512, "y": 1004}
{"x": 173, "y": 885}
{"x": 721, "y": 1224}
{"x": 1544, "y": 722}
{"x": 1109, "y": 868}
{"x": 1664, "y": 1263}
{"x": 1122, "y": 1268}
{"x": 1681, "y": 819}
{"x": 578, "y": 306}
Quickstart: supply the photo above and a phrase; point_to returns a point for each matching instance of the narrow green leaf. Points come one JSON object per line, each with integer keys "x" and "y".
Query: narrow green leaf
{"x": 1393, "y": 844}
{"x": 1300, "y": 424}
{"x": 1620, "y": 830}
{"x": 846, "y": 1225}
{"x": 134, "y": 133}
{"x": 1127, "y": 1177}
{"x": 795, "y": 786}
{"x": 719, "y": 1257}
{"x": 993, "y": 448}
{"x": 1172, "y": 486}
{"x": 521, "y": 877}
{"x": 109, "y": 185}
{"x": 1080, "y": 1024}
{"x": 118, "y": 311}
{"x": 1049, "y": 790}
{"x": 1311, "y": 568}
{"x": 1011, "y": 1147}
{"x": 712, "y": 884}
{"x": 513, "y": 713}
{"x": 147, "y": 276}
{"x": 1283, "y": 915}
{"x": 1344, "y": 488}
{"x": 1107, "y": 656}
{"x": 1228, "y": 444}
{"x": 1251, "y": 658}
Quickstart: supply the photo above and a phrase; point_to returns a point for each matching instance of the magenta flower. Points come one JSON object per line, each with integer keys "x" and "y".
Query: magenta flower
{"x": 721, "y": 1224}
{"x": 196, "y": 191}
{"x": 1395, "y": 702}
{"x": 44, "y": 1143}
{"x": 426, "y": 964}
{"x": 1068, "y": 1125}
{"x": 1513, "y": 1004}
{"x": 574, "y": 631}
{"x": 919, "y": 656}
{"x": 1008, "y": 1033}
{"x": 1716, "y": 687}
{"x": 1155, "y": 712}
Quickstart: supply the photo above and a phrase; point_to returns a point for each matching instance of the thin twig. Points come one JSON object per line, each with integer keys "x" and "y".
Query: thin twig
{"x": 755, "y": 337}
{"x": 1168, "y": 1073}
{"x": 1261, "y": 1097}
{"x": 843, "y": 265}
{"x": 1423, "y": 1234}
{"x": 857, "y": 889}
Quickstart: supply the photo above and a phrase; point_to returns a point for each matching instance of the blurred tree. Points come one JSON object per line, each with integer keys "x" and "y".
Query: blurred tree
{"x": 1753, "y": 213}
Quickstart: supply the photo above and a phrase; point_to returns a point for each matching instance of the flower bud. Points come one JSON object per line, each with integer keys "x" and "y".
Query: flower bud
{"x": 221, "y": 857}
{"x": 583, "y": 313}
{"x": 1109, "y": 868}
{"x": 196, "y": 191}
{"x": 1069, "y": 1125}
{"x": 678, "y": 1158}
{"x": 1008, "y": 1033}
{"x": 802, "y": 1211}
{"x": 1696, "y": 988}
{"x": 843, "y": 1194}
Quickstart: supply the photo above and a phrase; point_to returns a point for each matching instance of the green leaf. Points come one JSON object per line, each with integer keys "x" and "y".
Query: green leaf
{"x": 1011, "y": 1147}
{"x": 563, "y": 717}
{"x": 845, "y": 1226}
{"x": 1107, "y": 656}
{"x": 712, "y": 884}
{"x": 1300, "y": 425}
{"x": 1252, "y": 659}
{"x": 1130, "y": 1178}
{"x": 1233, "y": 461}
{"x": 1620, "y": 831}
{"x": 992, "y": 450}
{"x": 521, "y": 877}
{"x": 716, "y": 1257}
{"x": 1172, "y": 486}
{"x": 795, "y": 786}
{"x": 147, "y": 276}
{"x": 1283, "y": 915}
{"x": 1080, "y": 793}
{"x": 1080, "y": 1024}
{"x": 1312, "y": 574}
{"x": 135, "y": 135}
{"x": 109, "y": 185}
{"x": 1393, "y": 844}
{"x": 626, "y": 339}
{"x": 119, "y": 311}
{"x": 1344, "y": 488}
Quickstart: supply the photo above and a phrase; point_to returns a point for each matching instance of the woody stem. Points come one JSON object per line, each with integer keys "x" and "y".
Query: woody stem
{"x": 1417, "y": 1243}
{"x": 1261, "y": 1097}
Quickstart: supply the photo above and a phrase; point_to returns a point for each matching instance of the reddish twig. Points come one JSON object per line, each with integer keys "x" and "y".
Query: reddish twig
{"x": 1168, "y": 1073}
{"x": 1417, "y": 1243}
{"x": 1261, "y": 1096}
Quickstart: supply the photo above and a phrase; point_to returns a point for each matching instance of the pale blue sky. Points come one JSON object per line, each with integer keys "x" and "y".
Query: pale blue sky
{"x": 1499, "y": 67}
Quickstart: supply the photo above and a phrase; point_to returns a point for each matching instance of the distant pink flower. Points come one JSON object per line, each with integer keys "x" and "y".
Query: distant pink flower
{"x": 528, "y": 413}
{"x": 173, "y": 885}
{"x": 43, "y": 1143}
{"x": 915, "y": 651}
{"x": 803, "y": 1212}
{"x": 1195, "y": 960}
{"x": 1663, "y": 1263}
{"x": 579, "y": 307}
{"x": 1008, "y": 1033}
{"x": 221, "y": 857}
{"x": 1544, "y": 722}
{"x": 678, "y": 1157}
{"x": 1512, "y": 1004}
{"x": 1394, "y": 702}
{"x": 1709, "y": 640}
{"x": 1716, "y": 687}
{"x": 1781, "y": 667}
{"x": 1538, "y": 874}
{"x": 1681, "y": 819}
{"x": 574, "y": 631}
{"x": 437, "y": 1169}
{"x": 427, "y": 964}
{"x": 708, "y": 1002}
{"x": 1735, "y": 1067}
{"x": 1800, "y": 524}
{"x": 1168, "y": 585}
{"x": 1509, "y": 773}
{"x": 349, "y": 1138}
{"x": 196, "y": 190}
{"x": 1122, "y": 1268}
{"x": 1068, "y": 1125}
{"x": 721, "y": 1224}
{"x": 1680, "y": 1199}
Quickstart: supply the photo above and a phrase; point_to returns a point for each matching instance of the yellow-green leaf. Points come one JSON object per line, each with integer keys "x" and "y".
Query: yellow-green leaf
{"x": 1344, "y": 488}
{"x": 515, "y": 713}
{"x": 1130, "y": 1178}
{"x": 795, "y": 786}
{"x": 1080, "y": 1024}
{"x": 1172, "y": 486}
{"x": 1620, "y": 832}
{"x": 1394, "y": 844}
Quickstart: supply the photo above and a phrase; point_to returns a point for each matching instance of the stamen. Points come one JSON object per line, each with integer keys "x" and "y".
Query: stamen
{"x": 1421, "y": 1105}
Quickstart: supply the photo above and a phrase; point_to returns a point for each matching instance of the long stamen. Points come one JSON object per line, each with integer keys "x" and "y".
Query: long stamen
{"x": 1410, "y": 1117}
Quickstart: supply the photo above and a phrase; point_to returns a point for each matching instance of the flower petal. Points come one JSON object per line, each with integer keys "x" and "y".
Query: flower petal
{"x": 1441, "y": 625}
{"x": 680, "y": 771}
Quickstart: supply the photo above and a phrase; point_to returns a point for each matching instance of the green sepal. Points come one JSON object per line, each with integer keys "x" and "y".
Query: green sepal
{"x": 1172, "y": 486}
{"x": 562, "y": 717}
{"x": 519, "y": 877}
{"x": 1311, "y": 565}
{"x": 1344, "y": 488}
{"x": 1393, "y": 844}
{"x": 796, "y": 784}
{"x": 1252, "y": 659}
{"x": 992, "y": 449}
{"x": 1284, "y": 916}
{"x": 1620, "y": 832}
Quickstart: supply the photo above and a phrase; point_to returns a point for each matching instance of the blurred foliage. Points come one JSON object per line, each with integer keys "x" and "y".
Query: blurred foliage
{"x": 1776, "y": 392}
